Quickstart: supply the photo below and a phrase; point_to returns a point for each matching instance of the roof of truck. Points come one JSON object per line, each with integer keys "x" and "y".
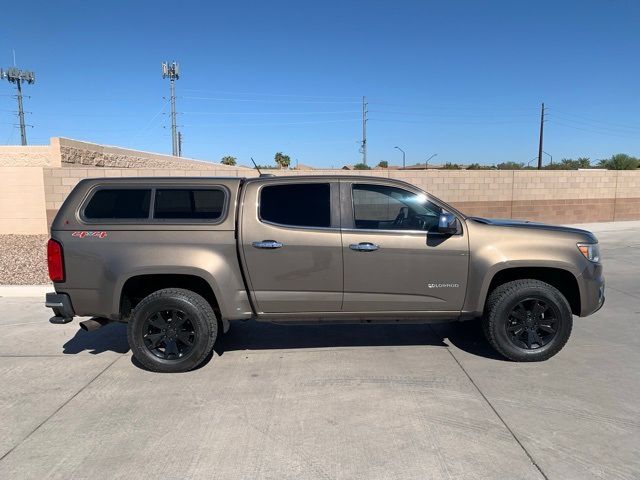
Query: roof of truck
{"x": 266, "y": 177}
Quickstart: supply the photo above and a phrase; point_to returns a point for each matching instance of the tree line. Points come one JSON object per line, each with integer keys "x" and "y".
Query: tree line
{"x": 619, "y": 161}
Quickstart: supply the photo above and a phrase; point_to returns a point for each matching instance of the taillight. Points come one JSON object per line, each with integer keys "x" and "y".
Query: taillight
{"x": 55, "y": 261}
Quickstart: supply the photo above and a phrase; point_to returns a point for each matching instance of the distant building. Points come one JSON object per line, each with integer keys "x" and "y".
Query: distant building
{"x": 422, "y": 166}
{"x": 431, "y": 166}
{"x": 302, "y": 166}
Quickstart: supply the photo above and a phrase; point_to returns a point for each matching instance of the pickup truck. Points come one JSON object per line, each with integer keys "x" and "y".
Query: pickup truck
{"x": 179, "y": 259}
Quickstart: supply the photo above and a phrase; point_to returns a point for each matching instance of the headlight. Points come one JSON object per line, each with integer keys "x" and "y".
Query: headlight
{"x": 591, "y": 251}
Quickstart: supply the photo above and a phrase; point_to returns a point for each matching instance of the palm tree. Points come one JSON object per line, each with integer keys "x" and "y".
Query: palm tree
{"x": 228, "y": 160}
{"x": 282, "y": 160}
{"x": 620, "y": 161}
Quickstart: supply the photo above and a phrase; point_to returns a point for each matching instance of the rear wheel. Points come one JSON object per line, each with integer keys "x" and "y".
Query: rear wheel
{"x": 527, "y": 320}
{"x": 172, "y": 330}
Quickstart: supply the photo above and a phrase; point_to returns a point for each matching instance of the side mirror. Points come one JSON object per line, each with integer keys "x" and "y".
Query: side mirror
{"x": 448, "y": 224}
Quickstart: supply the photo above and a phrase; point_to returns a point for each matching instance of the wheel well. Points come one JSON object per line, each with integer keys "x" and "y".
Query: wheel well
{"x": 563, "y": 280}
{"x": 136, "y": 288}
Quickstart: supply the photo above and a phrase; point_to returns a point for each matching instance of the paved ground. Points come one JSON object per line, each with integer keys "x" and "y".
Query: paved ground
{"x": 349, "y": 402}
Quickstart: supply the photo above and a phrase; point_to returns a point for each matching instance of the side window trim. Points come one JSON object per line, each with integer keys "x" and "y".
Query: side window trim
{"x": 334, "y": 206}
{"x": 181, "y": 221}
{"x": 149, "y": 220}
{"x": 127, "y": 221}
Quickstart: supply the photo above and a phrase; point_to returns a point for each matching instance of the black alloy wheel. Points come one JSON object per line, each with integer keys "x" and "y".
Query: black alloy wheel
{"x": 532, "y": 323}
{"x": 169, "y": 334}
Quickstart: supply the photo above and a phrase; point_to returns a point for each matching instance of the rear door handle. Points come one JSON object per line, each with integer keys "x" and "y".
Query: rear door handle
{"x": 364, "y": 247}
{"x": 268, "y": 244}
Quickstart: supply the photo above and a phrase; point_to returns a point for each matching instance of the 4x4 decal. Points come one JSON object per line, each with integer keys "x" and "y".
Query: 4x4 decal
{"x": 83, "y": 234}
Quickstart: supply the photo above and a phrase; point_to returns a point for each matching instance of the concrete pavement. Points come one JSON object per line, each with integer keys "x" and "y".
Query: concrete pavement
{"x": 343, "y": 402}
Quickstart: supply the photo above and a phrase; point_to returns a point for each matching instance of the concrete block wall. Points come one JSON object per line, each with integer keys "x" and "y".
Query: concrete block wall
{"x": 22, "y": 201}
{"x": 36, "y": 181}
{"x": 74, "y": 153}
{"x": 550, "y": 196}
{"x": 27, "y": 156}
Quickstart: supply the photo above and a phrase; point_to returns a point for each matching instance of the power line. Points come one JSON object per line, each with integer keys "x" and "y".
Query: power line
{"x": 449, "y": 122}
{"x": 253, "y": 100}
{"x": 594, "y": 131}
{"x": 313, "y": 122}
{"x": 635, "y": 127}
{"x": 460, "y": 108}
{"x": 271, "y": 113}
{"x": 425, "y": 114}
{"x": 164, "y": 105}
{"x": 598, "y": 124}
{"x": 270, "y": 94}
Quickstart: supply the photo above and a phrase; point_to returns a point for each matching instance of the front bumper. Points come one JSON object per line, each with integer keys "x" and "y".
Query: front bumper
{"x": 591, "y": 290}
{"x": 61, "y": 305}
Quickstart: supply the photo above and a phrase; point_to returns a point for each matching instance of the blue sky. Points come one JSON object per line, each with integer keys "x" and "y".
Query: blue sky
{"x": 463, "y": 79}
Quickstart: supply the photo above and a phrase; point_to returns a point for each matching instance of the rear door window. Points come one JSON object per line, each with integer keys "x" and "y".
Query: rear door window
{"x": 115, "y": 203}
{"x": 296, "y": 204}
{"x": 194, "y": 204}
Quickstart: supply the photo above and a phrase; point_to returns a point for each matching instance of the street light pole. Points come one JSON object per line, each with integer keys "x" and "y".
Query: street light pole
{"x": 403, "y": 156}
{"x": 426, "y": 164}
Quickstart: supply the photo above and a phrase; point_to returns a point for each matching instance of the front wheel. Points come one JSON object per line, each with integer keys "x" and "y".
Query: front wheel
{"x": 527, "y": 320}
{"x": 172, "y": 330}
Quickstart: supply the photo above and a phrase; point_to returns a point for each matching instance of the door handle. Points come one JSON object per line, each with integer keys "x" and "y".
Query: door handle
{"x": 364, "y": 247}
{"x": 268, "y": 244}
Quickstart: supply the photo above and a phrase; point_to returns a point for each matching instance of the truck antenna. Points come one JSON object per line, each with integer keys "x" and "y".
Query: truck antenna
{"x": 259, "y": 172}
{"x": 255, "y": 165}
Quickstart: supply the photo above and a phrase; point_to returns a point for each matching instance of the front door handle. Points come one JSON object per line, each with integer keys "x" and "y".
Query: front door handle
{"x": 268, "y": 244}
{"x": 364, "y": 247}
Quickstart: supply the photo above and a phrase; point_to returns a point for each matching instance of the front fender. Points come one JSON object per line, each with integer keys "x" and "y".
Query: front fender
{"x": 476, "y": 300}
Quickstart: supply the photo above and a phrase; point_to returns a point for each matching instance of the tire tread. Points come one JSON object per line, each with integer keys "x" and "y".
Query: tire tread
{"x": 197, "y": 301}
{"x": 501, "y": 294}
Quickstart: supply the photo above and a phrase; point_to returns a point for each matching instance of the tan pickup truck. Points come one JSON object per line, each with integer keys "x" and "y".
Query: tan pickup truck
{"x": 179, "y": 259}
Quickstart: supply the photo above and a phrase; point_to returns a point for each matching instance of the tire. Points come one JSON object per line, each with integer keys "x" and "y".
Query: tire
{"x": 519, "y": 319}
{"x": 172, "y": 330}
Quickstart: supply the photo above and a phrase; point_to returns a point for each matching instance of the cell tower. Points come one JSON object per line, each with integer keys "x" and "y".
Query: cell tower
{"x": 172, "y": 72}
{"x": 17, "y": 76}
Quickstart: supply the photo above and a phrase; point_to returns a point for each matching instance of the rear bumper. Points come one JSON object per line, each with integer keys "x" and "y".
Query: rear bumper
{"x": 61, "y": 305}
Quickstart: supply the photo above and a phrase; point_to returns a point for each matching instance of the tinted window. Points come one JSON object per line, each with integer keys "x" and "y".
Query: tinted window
{"x": 380, "y": 207}
{"x": 299, "y": 204}
{"x": 119, "y": 203}
{"x": 193, "y": 204}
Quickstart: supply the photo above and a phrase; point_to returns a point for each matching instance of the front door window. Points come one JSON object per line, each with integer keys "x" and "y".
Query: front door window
{"x": 382, "y": 207}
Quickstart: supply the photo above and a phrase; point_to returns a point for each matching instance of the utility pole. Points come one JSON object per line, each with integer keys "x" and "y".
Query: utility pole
{"x": 172, "y": 71}
{"x": 179, "y": 144}
{"x": 541, "y": 134}
{"x": 363, "y": 148}
{"x": 17, "y": 76}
